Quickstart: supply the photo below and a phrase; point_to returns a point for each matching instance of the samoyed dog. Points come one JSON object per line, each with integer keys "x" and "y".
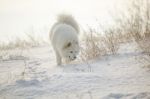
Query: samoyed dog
{"x": 64, "y": 38}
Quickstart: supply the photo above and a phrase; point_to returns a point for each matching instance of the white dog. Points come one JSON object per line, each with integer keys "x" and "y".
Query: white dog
{"x": 64, "y": 38}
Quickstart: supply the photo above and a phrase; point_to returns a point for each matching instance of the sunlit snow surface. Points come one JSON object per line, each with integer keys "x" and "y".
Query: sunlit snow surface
{"x": 36, "y": 76}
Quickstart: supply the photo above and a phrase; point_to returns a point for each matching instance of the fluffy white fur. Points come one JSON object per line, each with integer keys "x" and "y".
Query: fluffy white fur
{"x": 64, "y": 38}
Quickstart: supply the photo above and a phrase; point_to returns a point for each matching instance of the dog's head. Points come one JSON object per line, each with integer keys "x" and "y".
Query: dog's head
{"x": 71, "y": 50}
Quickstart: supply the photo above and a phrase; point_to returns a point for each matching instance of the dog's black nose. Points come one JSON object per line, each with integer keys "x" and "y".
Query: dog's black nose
{"x": 75, "y": 57}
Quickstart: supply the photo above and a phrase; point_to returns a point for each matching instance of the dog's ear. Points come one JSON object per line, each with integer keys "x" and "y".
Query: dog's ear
{"x": 68, "y": 45}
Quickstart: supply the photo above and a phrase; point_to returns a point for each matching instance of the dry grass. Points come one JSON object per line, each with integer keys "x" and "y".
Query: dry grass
{"x": 144, "y": 44}
{"x": 96, "y": 44}
{"x": 141, "y": 28}
{"x": 111, "y": 41}
{"x": 90, "y": 48}
{"x": 132, "y": 28}
{"x": 14, "y": 49}
{"x": 137, "y": 27}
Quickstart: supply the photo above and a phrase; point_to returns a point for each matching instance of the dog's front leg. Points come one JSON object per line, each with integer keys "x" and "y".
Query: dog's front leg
{"x": 58, "y": 58}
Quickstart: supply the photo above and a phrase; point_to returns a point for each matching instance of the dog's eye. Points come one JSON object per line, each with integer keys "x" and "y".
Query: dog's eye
{"x": 71, "y": 51}
{"x": 69, "y": 44}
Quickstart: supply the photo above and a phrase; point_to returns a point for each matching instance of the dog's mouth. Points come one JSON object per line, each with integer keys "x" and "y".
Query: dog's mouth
{"x": 70, "y": 59}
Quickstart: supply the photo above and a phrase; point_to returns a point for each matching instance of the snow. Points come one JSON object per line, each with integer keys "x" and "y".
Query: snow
{"x": 36, "y": 76}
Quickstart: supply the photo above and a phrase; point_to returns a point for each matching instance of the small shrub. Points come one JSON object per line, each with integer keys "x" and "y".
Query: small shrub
{"x": 96, "y": 45}
{"x": 111, "y": 41}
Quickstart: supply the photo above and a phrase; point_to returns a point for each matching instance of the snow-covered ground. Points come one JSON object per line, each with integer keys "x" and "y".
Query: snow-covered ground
{"x": 36, "y": 76}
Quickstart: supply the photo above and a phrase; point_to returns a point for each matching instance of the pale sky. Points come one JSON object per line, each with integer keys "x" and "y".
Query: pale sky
{"x": 19, "y": 16}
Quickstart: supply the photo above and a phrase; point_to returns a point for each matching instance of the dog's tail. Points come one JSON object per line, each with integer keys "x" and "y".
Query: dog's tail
{"x": 68, "y": 19}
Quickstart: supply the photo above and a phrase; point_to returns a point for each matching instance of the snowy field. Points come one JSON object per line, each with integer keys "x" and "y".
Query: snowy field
{"x": 36, "y": 76}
